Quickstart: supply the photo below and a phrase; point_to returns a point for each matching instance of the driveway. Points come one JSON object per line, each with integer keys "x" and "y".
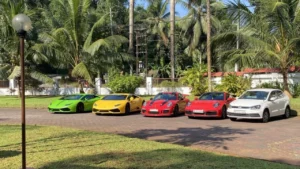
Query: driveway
{"x": 278, "y": 140}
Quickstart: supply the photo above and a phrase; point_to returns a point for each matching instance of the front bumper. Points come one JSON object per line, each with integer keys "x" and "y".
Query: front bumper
{"x": 204, "y": 113}
{"x": 107, "y": 111}
{"x": 63, "y": 110}
{"x": 157, "y": 112}
{"x": 244, "y": 113}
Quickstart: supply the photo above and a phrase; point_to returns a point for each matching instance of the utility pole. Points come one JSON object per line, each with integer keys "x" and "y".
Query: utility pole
{"x": 131, "y": 17}
{"x": 208, "y": 44}
{"x": 172, "y": 36}
{"x": 111, "y": 25}
{"x": 236, "y": 65}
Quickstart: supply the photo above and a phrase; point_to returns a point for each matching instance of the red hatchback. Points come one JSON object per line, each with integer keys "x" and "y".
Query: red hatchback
{"x": 211, "y": 104}
{"x": 165, "y": 104}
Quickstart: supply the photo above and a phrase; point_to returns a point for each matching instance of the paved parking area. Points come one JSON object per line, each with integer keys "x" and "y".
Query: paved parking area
{"x": 278, "y": 140}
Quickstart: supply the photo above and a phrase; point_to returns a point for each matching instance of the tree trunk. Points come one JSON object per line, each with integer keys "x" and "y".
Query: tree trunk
{"x": 172, "y": 37}
{"x": 208, "y": 45}
{"x": 285, "y": 80}
{"x": 131, "y": 24}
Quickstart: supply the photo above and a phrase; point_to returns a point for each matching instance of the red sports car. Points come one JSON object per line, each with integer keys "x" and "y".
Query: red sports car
{"x": 165, "y": 104}
{"x": 211, "y": 104}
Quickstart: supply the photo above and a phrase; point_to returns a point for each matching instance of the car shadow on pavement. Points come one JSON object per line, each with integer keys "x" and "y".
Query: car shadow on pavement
{"x": 271, "y": 120}
{"x": 214, "y": 136}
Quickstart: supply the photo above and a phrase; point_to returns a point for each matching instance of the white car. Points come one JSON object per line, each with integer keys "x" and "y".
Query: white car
{"x": 260, "y": 104}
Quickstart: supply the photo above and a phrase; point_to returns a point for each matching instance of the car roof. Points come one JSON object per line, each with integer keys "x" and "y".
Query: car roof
{"x": 264, "y": 89}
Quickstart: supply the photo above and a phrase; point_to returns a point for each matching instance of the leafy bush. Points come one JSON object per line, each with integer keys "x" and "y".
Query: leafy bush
{"x": 124, "y": 84}
{"x": 167, "y": 83}
{"x": 234, "y": 84}
{"x": 294, "y": 88}
{"x": 194, "y": 78}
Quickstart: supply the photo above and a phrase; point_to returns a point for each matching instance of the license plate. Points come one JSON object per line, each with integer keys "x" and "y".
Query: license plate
{"x": 153, "y": 110}
{"x": 239, "y": 111}
{"x": 198, "y": 111}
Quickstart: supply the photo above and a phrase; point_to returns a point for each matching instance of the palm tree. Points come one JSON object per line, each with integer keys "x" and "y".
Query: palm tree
{"x": 208, "y": 15}
{"x": 270, "y": 38}
{"x": 72, "y": 37}
{"x": 9, "y": 46}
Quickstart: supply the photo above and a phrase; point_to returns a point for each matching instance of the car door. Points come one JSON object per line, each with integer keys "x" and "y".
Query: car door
{"x": 281, "y": 101}
{"x": 133, "y": 103}
{"x": 273, "y": 104}
{"x": 181, "y": 102}
{"x": 88, "y": 102}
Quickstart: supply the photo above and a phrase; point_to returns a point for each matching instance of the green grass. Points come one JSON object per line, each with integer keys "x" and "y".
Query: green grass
{"x": 56, "y": 147}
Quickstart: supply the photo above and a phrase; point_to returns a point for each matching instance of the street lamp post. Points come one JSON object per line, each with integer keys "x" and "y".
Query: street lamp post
{"x": 22, "y": 23}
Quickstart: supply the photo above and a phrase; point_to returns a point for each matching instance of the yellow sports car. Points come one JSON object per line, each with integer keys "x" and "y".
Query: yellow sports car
{"x": 120, "y": 103}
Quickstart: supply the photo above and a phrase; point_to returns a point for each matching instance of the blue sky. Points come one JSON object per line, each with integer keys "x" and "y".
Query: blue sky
{"x": 181, "y": 11}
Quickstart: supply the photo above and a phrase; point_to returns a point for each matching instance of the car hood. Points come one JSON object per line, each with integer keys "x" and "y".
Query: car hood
{"x": 246, "y": 102}
{"x": 62, "y": 103}
{"x": 158, "y": 103}
{"x": 109, "y": 103}
{"x": 206, "y": 103}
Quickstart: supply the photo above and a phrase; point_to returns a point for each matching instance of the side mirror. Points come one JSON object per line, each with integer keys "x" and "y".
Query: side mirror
{"x": 151, "y": 98}
{"x": 273, "y": 98}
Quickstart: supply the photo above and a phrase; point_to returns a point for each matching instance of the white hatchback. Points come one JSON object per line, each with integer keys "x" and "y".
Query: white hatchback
{"x": 260, "y": 104}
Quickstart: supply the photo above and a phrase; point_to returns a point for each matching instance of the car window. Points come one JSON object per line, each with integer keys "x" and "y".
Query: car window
{"x": 255, "y": 95}
{"x": 279, "y": 94}
{"x": 89, "y": 97}
{"x": 114, "y": 97}
{"x": 71, "y": 97}
{"x": 212, "y": 96}
{"x": 273, "y": 94}
{"x": 165, "y": 96}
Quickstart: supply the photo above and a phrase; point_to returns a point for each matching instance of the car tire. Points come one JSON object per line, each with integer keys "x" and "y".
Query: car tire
{"x": 224, "y": 112}
{"x": 233, "y": 119}
{"x": 287, "y": 113}
{"x": 127, "y": 109}
{"x": 79, "y": 108}
{"x": 265, "y": 116}
{"x": 176, "y": 110}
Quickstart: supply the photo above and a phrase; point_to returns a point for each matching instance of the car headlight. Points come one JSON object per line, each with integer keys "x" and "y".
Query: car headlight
{"x": 216, "y": 105}
{"x": 188, "y": 104}
{"x": 117, "y": 105}
{"x": 169, "y": 104}
{"x": 255, "y": 107}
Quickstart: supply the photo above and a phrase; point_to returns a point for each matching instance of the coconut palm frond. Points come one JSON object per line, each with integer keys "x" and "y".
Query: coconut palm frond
{"x": 81, "y": 70}
{"x": 15, "y": 73}
{"x": 41, "y": 77}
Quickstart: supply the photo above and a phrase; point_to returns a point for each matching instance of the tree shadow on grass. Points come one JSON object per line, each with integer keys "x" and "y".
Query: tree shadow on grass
{"x": 9, "y": 153}
{"x": 214, "y": 136}
{"x": 160, "y": 159}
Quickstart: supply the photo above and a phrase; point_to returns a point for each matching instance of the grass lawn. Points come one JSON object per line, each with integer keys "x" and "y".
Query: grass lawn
{"x": 43, "y": 102}
{"x": 55, "y": 147}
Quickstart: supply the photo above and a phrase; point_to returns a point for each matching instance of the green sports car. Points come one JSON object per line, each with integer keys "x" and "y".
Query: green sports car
{"x": 73, "y": 103}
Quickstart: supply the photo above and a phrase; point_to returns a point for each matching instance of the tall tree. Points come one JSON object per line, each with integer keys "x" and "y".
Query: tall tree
{"x": 131, "y": 26}
{"x": 208, "y": 45}
{"x": 172, "y": 37}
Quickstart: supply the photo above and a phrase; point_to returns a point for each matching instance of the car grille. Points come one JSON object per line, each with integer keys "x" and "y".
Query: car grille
{"x": 244, "y": 115}
{"x": 65, "y": 109}
{"x": 188, "y": 112}
{"x": 240, "y": 107}
{"x": 54, "y": 109}
{"x": 153, "y": 112}
{"x": 211, "y": 113}
{"x": 166, "y": 111}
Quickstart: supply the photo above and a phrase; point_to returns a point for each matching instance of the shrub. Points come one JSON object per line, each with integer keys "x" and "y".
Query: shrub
{"x": 234, "y": 84}
{"x": 167, "y": 83}
{"x": 124, "y": 84}
{"x": 194, "y": 78}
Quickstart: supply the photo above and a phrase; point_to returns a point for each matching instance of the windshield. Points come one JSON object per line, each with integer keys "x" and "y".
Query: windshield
{"x": 114, "y": 97}
{"x": 71, "y": 97}
{"x": 212, "y": 96}
{"x": 256, "y": 95}
{"x": 165, "y": 96}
